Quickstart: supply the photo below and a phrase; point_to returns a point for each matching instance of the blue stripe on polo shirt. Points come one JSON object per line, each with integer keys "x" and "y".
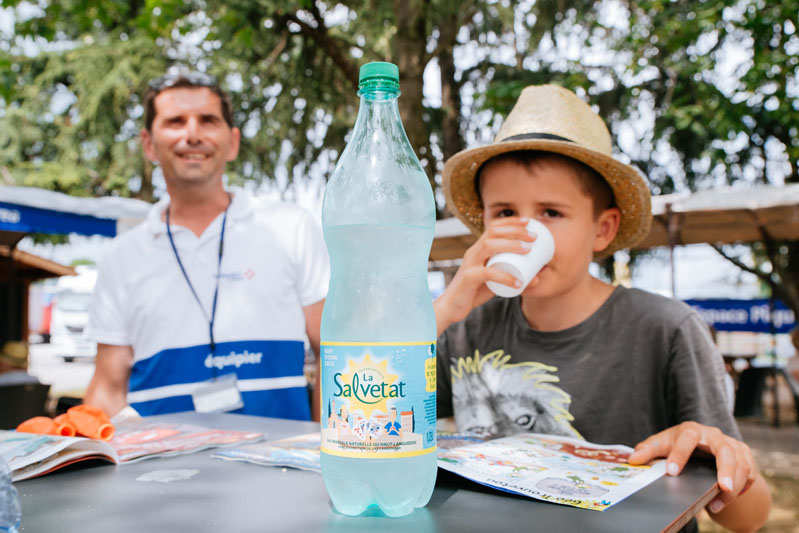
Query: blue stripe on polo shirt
{"x": 278, "y": 403}
{"x": 247, "y": 359}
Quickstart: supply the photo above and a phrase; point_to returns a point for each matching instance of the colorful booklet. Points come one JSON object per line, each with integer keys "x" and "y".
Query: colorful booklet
{"x": 30, "y": 455}
{"x": 551, "y": 468}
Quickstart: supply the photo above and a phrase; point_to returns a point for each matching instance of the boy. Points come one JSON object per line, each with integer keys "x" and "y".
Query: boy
{"x": 573, "y": 355}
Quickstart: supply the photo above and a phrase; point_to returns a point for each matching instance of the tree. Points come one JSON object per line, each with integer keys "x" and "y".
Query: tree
{"x": 722, "y": 79}
{"x": 696, "y": 94}
{"x": 67, "y": 119}
{"x": 292, "y": 68}
{"x": 315, "y": 49}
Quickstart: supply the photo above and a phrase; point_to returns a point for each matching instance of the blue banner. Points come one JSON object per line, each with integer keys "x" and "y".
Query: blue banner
{"x": 14, "y": 217}
{"x": 745, "y": 315}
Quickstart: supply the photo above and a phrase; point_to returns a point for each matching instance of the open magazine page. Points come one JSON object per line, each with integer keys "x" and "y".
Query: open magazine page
{"x": 30, "y": 455}
{"x": 300, "y": 452}
{"x": 135, "y": 440}
{"x": 556, "y": 469}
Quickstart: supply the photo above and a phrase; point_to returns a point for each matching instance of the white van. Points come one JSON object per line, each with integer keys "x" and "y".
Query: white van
{"x": 70, "y": 316}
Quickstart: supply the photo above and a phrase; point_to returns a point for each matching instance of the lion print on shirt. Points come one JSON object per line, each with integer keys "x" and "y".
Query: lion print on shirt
{"x": 493, "y": 397}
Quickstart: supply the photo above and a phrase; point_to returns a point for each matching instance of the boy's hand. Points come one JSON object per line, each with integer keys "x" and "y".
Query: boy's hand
{"x": 734, "y": 463}
{"x": 468, "y": 288}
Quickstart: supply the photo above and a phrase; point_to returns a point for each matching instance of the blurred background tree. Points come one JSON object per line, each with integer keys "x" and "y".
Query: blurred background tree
{"x": 696, "y": 95}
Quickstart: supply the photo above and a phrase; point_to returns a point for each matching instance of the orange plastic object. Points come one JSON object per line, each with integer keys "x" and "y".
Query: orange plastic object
{"x": 91, "y": 422}
{"x": 65, "y": 427}
{"x": 42, "y": 425}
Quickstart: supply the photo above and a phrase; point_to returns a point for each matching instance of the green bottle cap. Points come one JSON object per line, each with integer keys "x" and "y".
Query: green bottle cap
{"x": 379, "y": 71}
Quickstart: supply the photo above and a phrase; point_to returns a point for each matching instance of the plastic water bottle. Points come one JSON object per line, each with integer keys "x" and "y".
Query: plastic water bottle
{"x": 10, "y": 511}
{"x": 378, "y": 329}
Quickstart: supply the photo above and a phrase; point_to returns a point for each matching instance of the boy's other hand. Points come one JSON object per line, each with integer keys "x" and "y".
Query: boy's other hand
{"x": 468, "y": 289}
{"x": 734, "y": 463}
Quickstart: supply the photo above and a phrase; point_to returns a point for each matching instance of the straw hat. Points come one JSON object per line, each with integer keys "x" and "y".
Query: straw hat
{"x": 14, "y": 353}
{"x": 553, "y": 119}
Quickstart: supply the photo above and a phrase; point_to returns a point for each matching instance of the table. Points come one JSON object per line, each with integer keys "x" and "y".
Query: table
{"x": 240, "y": 497}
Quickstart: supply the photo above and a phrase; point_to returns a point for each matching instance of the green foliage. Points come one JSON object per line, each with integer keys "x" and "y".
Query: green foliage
{"x": 696, "y": 94}
{"x": 45, "y": 238}
{"x": 722, "y": 75}
{"x": 710, "y": 89}
{"x": 68, "y": 119}
{"x": 72, "y": 113}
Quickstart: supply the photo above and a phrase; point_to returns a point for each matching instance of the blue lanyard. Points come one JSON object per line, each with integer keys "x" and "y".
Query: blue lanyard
{"x": 188, "y": 281}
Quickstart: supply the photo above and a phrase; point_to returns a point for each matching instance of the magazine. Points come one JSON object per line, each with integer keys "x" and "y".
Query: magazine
{"x": 545, "y": 467}
{"x": 140, "y": 439}
{"x": 551, "y": 468}
{"x": 30, "y": 455}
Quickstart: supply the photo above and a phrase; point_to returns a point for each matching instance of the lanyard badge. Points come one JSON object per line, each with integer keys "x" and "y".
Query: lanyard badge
{"x": 219, "y": 394}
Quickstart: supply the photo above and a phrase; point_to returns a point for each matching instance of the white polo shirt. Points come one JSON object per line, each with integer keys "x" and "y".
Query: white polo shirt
{"x": 274, "y": 264}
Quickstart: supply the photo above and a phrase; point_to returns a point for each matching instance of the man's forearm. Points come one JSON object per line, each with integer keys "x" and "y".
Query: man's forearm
{"x": 316, "y": 397}
{"x": 108, "y": 388}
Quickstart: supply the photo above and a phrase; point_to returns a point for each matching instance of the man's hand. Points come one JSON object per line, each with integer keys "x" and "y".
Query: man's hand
{"x": 468, "y": 289}
{"x": 735, "y": 468}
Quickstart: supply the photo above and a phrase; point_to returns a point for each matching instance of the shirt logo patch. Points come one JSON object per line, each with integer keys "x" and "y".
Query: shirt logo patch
{"x": 233, "y": 359}
{"x": 237, "y": 276}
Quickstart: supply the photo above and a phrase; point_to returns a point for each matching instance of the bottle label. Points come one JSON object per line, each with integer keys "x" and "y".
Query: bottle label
{"x": 378, "y": 399}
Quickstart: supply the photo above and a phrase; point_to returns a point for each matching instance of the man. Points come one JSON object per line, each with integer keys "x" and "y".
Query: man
{"x": 206, "y": 305}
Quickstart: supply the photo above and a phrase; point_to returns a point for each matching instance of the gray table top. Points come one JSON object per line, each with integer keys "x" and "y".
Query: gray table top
{"x": 241, "y": 497}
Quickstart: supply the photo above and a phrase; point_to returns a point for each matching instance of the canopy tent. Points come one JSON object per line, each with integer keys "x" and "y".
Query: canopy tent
{"x": 26, "y": 210}
{"x": 725, "y": 215}
{"x": 17, "y": 270}
{"x": 25, "y": 266}
{"x": 31, "y": 210}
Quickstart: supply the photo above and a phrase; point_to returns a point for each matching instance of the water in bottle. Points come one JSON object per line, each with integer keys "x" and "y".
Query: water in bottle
{"x": 10, "y": 512}
{"x": 378, "y": 329}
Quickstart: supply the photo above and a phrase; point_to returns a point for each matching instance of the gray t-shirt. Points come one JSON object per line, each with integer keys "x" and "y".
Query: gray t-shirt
{"x": 640, "y": 364}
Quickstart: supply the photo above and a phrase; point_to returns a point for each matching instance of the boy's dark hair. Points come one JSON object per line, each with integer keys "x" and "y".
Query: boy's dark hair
{"x": 184, "y": 79}
{"x": 591, "y": 182}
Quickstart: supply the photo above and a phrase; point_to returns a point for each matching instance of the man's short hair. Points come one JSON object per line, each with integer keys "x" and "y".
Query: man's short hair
{"x": 591, "y": 182}
{"x": 189, "y": 79}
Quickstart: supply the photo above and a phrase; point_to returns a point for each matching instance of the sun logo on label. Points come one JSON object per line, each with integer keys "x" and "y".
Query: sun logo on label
{"x": 368, "y": 385}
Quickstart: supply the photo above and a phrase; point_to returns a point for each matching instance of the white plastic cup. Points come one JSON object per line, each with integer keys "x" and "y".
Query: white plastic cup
{"x": 523, "y": 267}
